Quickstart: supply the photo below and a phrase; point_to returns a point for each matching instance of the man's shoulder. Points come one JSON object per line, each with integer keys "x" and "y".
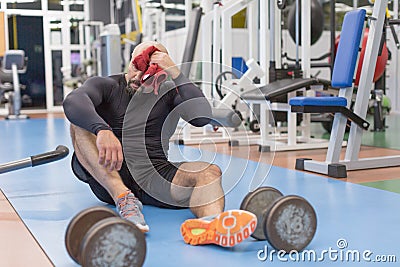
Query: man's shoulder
{"x": 108, "y": 79}
{"x": 167, "y": 86}
{"x": 117, "y": 77}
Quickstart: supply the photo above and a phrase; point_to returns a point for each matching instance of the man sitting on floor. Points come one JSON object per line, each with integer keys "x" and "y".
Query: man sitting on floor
{"x": 97, "y": 111}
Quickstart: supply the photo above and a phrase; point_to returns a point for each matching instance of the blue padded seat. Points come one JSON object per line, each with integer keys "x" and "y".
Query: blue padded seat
{"x": 345, "y": 62}
{"x": 343, "y": 72}
{"x": 318, "y": 101}
{"x": 348, "y": 48}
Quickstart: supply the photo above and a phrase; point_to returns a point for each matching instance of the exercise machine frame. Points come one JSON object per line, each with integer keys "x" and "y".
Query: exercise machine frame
{"x": 333, "y": 166}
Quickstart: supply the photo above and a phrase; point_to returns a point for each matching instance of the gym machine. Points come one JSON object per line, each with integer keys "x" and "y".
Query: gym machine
{"x": 14, "y": 63}
{"x": 343, "y": 78}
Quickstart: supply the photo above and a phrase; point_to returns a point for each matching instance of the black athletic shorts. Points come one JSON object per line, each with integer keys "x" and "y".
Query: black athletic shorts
{"x": 164, "y": 168}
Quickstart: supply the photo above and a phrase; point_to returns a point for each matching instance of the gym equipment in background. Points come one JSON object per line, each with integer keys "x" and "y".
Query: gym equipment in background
{"x": 284, "y": 82}
{"x": 317, "y": 21}
{"x": 380, "y": 62}
{"x": 223, "y": 115}
{"x": 15, "y": 63}
{"x": 111, "y": 62}
{"x": 342, "y": 78}
{"x": 191, "y": 41}
{"x": 267, "y": 97}
{"x": 379, "y": 106}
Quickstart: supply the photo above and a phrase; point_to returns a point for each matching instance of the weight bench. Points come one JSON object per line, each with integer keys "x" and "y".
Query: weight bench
{"x": 342, "y": 77}
{"x": 270, "y": 97}
{"x": 281, "y": 88}
{"x": 326, "y": 105}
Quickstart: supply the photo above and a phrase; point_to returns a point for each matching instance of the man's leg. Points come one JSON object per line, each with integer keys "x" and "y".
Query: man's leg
{"x": 86, "y": 151}
{"x": 201, "y": 183}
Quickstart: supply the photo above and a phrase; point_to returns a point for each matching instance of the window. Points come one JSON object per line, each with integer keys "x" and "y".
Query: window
{"x": 24, "y": 4}
{"x": 74, "y": 29}
{"x": 55, "y": 32}
{"x": 76, "y": 5}
{"x": 55, "y": 5}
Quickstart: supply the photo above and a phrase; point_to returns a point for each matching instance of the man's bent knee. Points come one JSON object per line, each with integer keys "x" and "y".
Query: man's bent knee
{"x": 193, "y": 174}
{"x": 209, "y": 175}
{"x": 214, "y": 170}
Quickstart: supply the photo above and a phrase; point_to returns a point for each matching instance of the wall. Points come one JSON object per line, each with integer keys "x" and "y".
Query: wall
{"x": 2, "y": 35}
{"x": 175, "y": 41}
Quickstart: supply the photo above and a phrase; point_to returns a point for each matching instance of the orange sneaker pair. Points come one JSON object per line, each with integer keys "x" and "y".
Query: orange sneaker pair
{"x": 227, "y": 229}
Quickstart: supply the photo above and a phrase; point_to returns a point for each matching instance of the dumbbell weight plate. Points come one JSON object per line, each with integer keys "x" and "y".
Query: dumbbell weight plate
{"x": 80, "y": 225}
{"x": 290, "y": 224}
{"x": 258, "y": 202}
{"x": 113, "y": 242}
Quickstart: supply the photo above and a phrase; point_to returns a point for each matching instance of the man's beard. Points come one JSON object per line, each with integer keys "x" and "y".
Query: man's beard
{"x": 131, "y": 90}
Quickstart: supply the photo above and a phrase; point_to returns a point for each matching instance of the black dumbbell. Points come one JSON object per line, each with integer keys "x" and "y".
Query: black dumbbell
{"x": 97, "y": 236}
{"x": 287, "y": 222}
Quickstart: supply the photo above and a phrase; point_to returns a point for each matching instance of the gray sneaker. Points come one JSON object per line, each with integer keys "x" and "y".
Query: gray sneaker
{"x": 130, "y": 208}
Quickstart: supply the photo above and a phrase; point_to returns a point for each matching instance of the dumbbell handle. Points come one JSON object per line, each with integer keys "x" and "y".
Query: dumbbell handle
{"x": 57, "y": 154}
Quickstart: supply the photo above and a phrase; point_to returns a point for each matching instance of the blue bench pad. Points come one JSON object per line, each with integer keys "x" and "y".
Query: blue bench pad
{"x": 318, "y": 101}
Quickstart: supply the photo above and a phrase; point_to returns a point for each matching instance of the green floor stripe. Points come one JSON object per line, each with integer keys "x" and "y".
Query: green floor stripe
{"x": 387, "y": 139}
{"x": 389, "y": 185}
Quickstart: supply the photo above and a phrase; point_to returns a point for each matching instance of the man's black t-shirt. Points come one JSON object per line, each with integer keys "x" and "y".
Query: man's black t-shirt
{"x": 101, "y": 103}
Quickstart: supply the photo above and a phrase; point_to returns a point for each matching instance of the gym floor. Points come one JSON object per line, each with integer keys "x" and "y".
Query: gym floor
{"x": 357, "y": 216}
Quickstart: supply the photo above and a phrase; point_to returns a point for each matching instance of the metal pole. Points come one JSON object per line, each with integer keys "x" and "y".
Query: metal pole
{"x": 17, "y": 92}
{"x": 16, "y": 165}
{"x": 306, "y": 38}
{"x": 297, "y": 28}
{"x": 263, "y": 40}
{"x": 333, "y": 33}
{"x": 368, "y": 68}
